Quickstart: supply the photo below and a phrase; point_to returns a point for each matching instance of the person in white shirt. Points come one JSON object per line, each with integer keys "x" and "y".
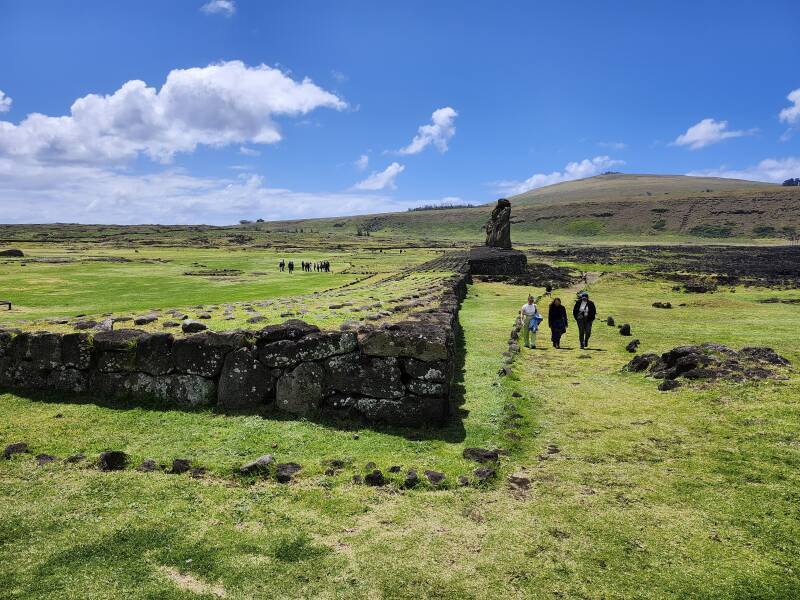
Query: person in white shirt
{"x": 526, "y": 314}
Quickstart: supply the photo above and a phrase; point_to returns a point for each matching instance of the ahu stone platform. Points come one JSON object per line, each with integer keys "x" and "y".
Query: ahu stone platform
{"x": 397, "y": 374}
{"x": 487, "y": 260}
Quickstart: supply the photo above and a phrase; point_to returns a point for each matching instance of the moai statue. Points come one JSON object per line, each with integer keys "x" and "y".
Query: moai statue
{"x": 498, "y": 228}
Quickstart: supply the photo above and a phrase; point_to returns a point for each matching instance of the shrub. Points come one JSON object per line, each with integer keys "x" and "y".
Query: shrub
{"x": 764, "y": 231}
{"x": 659, "y": 225}
{"x": 712, "y": 231}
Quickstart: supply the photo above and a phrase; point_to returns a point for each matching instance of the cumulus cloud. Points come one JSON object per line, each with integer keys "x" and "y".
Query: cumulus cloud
{"x": 217, "y": 105}
{"x": 707, "y": 132}
{"x": 381, "y": 180}
{"x": 774, "y": 170}
{"x": 437, "y": 133}
{"x": 791, "y": 114}
{"x": 588, "y": 167}
{"x": 362, "y": 162}
{"x": 5, "y": 102}
{"x": 83, "y": 193}
{"x": 219, "y": 7}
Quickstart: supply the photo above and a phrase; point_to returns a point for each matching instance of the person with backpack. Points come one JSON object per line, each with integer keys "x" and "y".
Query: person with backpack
{"x": 557, "y": 320}
{"x": 584, "y": 313}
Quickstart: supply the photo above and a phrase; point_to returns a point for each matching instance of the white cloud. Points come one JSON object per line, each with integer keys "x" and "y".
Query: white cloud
{"x": 80, "y": 193}
{"x": 775, "y": 170}
{"x": 381, "y": 180}
{"x": 244, "y": 150}
{"x": 5, "y": 102}
{"x": 437, "y": 133}
{"x": 338, "y": 76}
{"x": 362, "y": 162}
{"x": 791, "y": 114}
{"x": 219, "y": 7}
{"x": 613, "y": 145}
{"x": 707, "y": 132}
{"x": 574, "y": 170}
{"x": 217, "y": 105}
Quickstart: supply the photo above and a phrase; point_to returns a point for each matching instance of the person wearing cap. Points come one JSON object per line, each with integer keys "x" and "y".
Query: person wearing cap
{"x": 584, "y": 313}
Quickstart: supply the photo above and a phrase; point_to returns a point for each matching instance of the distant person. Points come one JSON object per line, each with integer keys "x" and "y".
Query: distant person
{"x": 291, "y": 266}
{"x": 526, "y": 314}
{"x": 557, "y": 321}
{"x": 282, "y": 266}
{"x": 584, "y": 313}
{"x": 548, "y": 290}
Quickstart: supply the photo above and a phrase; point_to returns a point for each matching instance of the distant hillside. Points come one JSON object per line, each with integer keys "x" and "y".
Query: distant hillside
{"x": 633, "y": 208}
{"x": 618, "y": 186}
{"x": 607, "y": 206}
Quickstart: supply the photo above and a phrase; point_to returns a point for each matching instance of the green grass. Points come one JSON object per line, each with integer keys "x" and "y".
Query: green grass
{"x": 687, "y": 494}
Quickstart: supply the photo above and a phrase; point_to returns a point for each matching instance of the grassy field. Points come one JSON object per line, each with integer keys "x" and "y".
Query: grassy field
{"x": 225, "y": 284}
{"x": 634, "y": 493}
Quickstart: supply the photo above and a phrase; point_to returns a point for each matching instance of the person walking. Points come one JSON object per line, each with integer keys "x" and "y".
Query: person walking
{"x": 557, "y": 320}
{"x": 526, "y": 314}
{"x": 584, "y": 313}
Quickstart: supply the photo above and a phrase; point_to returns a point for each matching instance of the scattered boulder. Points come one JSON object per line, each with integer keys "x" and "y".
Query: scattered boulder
{"x": 285, "y": 471}
{"x": 519, "y": 482}
{"x": 75, "y": 458}
{"x": 112, "y": 460}
{"x": 15, "y": 448}
{"x": 145, "y": 319}
{"x": 610, "y": 321}
{"x": 411, "y": 480}
{"x": 84, "y": 325}
{"x": 632, "y": 346}
{"x": 191, "y": 326}
{"x": 12, "y": 252}
{"x": 483, "y": 474}
{"x": 259, "y": 466}
{"x": 180, "y": 465}
{"x": 641, "y": 362}
{"x": 668, "y": 384}
{"x": 148, "y": 466}
{"x": 481, "y": 455}
{"x": 662, "y": 305}
{"x": 434, "y": 477}
{"x": 625, "y": 329}
{"x": 43, "y": 459}
{"x": 375, "y": 478}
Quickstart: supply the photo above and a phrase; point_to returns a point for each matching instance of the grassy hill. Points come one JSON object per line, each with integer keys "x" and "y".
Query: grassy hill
{"x": 614, "y": 207}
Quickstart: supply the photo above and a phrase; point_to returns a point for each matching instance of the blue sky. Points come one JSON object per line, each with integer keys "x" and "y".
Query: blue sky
{"x": 267, "y": 109}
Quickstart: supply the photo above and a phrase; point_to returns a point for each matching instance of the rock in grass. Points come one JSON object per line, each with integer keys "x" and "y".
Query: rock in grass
{"x": 145, "y": 319}
{"x": 169, "y": 324}
{"x": 481, "y": 455}
{"x": 625, "y": 329}
{"x": 632, "y": 346}
{"x": 519, "y": 482}
{"x": 84, "y": 325}
{"x": 395, "y": 469}
{"x": 148, "y": 466}
{"x": 483, "y": 474}
{"x": 112, "y": 460}
{"x": 610, "y": 321}
{"x": 74, "y": 458}
{"x": 190, "y": 326}
{"x": 411, "y": 480}
{"x": 15, "y": 448}
{"x": 463, "y": 480}
{"x": 43, "y": 459}
{"x": 180, "y": 465}
{"x": 662, "y": 305}
{"x": 434, "y": 477}
{"x": 285, "y": 471}
{"x": 375, "y": 478}
{"x": 668, "y": 384}
{"x": 258, "y": 466}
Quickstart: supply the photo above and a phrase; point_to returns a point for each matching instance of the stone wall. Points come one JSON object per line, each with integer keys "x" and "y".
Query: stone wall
{"x": 398, "y": 374}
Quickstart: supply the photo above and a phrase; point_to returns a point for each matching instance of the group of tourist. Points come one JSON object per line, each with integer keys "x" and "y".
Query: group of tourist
{"x": 584, "y": 313}
{"x": 322, "y": 266}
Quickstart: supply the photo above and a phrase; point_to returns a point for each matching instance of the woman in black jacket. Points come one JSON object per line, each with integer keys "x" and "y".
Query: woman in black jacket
{"x": 557, "y": 320}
